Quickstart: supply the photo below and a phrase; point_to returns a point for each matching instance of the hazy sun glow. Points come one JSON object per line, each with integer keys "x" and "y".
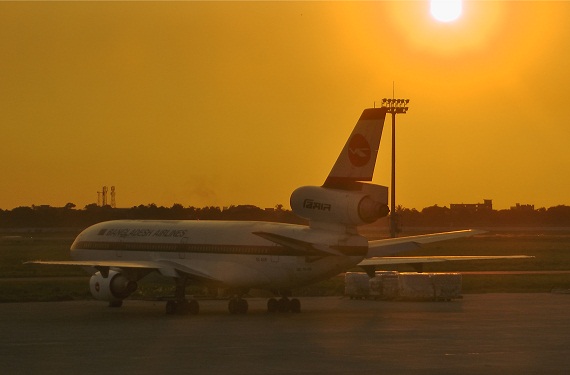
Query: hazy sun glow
{"x": 446, "y": 10}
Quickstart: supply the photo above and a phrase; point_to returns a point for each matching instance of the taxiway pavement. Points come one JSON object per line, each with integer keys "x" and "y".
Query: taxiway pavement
{"x": 490, "y": 333}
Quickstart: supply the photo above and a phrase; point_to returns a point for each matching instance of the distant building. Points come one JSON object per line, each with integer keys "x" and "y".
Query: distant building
{"x": 487, "y": 205}
{"x": 523, "y": 207}
{"x": 42, "y": 207}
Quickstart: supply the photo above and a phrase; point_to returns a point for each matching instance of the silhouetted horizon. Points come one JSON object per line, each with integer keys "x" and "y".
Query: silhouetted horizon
{"x": 441, "y": 216}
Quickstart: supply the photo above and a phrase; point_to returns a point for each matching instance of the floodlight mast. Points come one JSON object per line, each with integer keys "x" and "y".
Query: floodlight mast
{"x": 394, "y": 107}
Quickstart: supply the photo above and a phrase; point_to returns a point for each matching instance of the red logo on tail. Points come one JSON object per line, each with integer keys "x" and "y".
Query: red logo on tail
{"x": 359, "y": 150}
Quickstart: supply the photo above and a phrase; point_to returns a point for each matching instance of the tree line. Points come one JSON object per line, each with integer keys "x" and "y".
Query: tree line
{"x": 557, "y": 216}
{"x": 70, "y": 217}
{"x": 433, "y": 216}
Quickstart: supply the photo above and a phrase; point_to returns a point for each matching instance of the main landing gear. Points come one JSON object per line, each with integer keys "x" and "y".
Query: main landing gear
{"x": 180, "y": 305}
{"x": 238, "y": 305}
{"x": 284, "y": 304}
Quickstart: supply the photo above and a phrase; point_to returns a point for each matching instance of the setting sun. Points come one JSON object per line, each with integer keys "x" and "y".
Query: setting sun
{"x": 446, "y": 10}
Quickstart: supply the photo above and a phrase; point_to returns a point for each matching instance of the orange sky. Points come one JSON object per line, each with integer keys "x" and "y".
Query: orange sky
{"x": 219, "y": 103}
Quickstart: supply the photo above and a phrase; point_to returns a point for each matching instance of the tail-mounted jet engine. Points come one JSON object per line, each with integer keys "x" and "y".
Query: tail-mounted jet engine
{"x": 363, "y": 204}
{"x": 113, "y": 288}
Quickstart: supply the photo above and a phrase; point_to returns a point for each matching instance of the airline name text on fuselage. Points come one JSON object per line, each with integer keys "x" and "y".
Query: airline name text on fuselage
{"x": 312, "y": 205}
{"x": 129, "y": 232}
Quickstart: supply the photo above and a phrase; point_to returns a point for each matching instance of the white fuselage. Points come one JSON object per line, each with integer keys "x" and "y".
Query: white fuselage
{"x": 223, "y": 252}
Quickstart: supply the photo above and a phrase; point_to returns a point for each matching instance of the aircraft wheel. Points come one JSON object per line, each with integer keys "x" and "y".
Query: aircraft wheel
{"x": 170, "y": 307}
{"x": 284, "y": 305}
{"x": 295, "y": 305}
{"x": 232, "y": 306}
{"x": 243, "y": 306}
{"x": 272, "y": 305}
{"x": 193, "y": 307}
{"x": 182, "y": 307}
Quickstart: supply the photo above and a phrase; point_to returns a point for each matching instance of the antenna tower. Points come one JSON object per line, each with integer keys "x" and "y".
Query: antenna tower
{"x": 113, "y": 203}
{"x": 105, "y": 190}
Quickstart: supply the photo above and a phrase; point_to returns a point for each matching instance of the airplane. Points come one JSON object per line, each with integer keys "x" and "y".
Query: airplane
{"x": 244, "y": 255}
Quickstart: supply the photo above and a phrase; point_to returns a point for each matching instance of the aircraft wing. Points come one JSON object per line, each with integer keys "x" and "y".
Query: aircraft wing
{"x": 431, "y": 259}
{"x": 99, "y": 263}
{"x": 165, "y": 267}
{"x": 379, "y": 250}
{"x": 391, "y": 246}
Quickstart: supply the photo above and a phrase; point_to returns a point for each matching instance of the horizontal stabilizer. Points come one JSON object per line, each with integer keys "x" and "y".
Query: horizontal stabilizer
{"x": 391, "y": 246}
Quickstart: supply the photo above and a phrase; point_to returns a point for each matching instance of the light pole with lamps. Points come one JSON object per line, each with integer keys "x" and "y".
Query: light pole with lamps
{"x": 394, "y": 106}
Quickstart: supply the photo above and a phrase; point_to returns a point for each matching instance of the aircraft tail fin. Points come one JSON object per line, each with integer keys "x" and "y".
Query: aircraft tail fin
{"x": 358, "y": 157}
